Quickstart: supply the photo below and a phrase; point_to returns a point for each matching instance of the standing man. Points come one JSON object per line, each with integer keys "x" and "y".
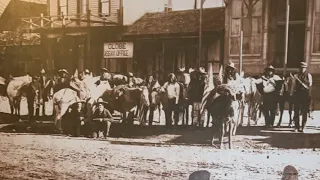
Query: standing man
{"x": 271, "y": 85}
{"x": 172, "y": 90}
{"x": 43, "y": 81}
{"x": 302, "y": 94}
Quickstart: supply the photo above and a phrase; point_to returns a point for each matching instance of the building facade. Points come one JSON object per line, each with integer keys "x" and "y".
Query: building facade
{"x": 166, "y": 41}
{"x": 74, "y": 32}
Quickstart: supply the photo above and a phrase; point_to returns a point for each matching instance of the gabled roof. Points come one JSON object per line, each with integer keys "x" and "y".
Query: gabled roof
{"x": 10, "y": 19}
{"x": 4, "y": 3}
{"x": 178, "y": 22}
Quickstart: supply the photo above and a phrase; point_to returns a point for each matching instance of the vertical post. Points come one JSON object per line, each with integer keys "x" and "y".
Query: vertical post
{"x": 41, "y": 21}
{"x": 200, "y": 34}
{"x": 241, "y": 44}
{"x": 51, "y": 22}
{"x": 88, "y": 41}
{"x": 31, "y": 27}
{"x": 287, "y": 38}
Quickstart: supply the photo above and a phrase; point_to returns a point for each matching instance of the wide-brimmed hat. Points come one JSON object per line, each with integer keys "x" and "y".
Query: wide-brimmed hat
{"x": 231, "y": 65}
{"x": 42, "y": 71}
{"x": 130, "y": 74}
{"x": 181, "y": 69}
{"x": 270, "y": 68}
{"x": 105, "y": 70}
{"x": 303, "y": 65}
{"x": 202, "y": 70}
{"x": 191, "y": 70}
{"x": 100, "y": 101}
{"x": 63, "y": 71}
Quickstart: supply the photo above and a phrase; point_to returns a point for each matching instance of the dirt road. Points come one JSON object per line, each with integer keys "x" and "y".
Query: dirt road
{"x": 29, "y": 156}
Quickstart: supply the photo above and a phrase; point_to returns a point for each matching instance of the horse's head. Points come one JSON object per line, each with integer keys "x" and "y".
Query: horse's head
{"x": 119, "y": 91}
{"x": 145, "y": 95}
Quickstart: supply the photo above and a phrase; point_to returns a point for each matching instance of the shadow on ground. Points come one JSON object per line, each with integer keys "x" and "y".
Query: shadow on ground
{"x": 247, "y": 137}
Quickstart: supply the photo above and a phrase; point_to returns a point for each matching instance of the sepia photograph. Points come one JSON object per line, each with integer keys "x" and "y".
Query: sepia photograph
{"x": 159, "y": 89}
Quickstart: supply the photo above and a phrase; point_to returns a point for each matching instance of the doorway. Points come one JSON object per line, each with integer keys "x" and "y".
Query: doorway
{"x": 296, "y": 34}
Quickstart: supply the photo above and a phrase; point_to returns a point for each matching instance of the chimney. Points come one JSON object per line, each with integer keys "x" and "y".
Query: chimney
{"x": 167, "y": 5}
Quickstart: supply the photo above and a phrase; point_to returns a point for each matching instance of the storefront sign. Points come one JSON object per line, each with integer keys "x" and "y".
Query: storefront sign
{"x": 118, "y": 50}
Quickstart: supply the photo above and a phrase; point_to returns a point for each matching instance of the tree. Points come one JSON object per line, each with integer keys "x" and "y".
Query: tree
{"x": 19, "y": 38}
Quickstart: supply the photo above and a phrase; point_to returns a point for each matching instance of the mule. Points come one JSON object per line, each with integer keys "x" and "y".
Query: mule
{"x": 224, "y": 111}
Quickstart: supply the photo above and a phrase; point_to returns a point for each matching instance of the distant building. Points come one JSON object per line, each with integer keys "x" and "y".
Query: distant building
{"x": 20, "y": 51}
{"x": 166, "y": 41}
{"x": 263, "y": 24}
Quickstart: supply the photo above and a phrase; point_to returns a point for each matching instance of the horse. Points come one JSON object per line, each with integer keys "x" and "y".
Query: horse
{"x": 78, "y": 90}
{"x": 252, "y": 98}
{"x": 286, "y": 95}
{"x": 16, "y": 87}
{"x": 124, "y": 99}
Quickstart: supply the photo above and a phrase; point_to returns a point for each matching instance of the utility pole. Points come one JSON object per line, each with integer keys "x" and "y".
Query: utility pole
{"x": 200, "y": 34}
{"x": 88, "y": 40}
{"x": 287, "y": 38}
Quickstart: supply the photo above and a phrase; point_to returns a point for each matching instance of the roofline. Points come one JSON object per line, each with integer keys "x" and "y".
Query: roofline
{"x": 183, "y": 10}
{"x": 174, "y": 35}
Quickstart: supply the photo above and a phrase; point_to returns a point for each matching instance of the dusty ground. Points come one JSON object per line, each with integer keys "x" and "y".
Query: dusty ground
{"x": 160, "y": 153}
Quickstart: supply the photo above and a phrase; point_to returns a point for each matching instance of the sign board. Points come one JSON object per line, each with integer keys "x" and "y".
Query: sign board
{"x": 118, "y": 50}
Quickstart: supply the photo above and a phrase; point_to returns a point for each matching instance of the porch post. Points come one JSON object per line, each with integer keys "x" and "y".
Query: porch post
{"x": 88, "y": 42}
{"x": 287, "y": 36}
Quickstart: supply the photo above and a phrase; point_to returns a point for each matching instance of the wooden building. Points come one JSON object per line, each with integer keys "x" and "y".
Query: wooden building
{"x": 74, "y": 32}
{"x": 20, "y": 51}
{"x": 166, "y": 41}
{"x": 263, "y": 24}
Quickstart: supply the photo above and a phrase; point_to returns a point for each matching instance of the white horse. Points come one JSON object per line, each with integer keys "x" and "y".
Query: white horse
{"x": 66, "y": 97}
{"x": 16, "y": 87}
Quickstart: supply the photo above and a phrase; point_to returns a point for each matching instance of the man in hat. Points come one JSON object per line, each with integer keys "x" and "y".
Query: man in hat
{"x": 271, "y": 85}
{"x": 302, "y": 94}
{"x": 62, "y": 80}
{"x": 102, "y": 125}
{"x": 230, "y": 73}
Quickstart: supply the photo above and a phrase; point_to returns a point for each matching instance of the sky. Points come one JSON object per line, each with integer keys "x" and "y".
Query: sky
{"x": 134, "y": 9}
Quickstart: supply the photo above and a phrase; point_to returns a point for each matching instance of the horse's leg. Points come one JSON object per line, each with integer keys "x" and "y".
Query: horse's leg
{"x": 187, "y": 114}
{"x": 249, "y": 113}
{"x": 290, "y": 112}
{"x": 231, "y": 126}
{"x": 208, "y": 118}
{"x": 241, "y": 114}
{"x": 18, "y": 108}
{"x": 281, "y": 106}
{"x": 151, "y": 113}
{"x": 222, "y": 131}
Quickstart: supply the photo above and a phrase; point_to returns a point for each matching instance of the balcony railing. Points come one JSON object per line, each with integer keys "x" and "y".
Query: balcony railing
{"x": 74, "y": 20}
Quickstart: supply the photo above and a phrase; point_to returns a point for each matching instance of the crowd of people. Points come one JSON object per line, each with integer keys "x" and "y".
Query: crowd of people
{"x": 181, "y": 91}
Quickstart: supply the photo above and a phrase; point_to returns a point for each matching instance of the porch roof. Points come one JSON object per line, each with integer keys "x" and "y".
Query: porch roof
{"x": 178, "y": 22}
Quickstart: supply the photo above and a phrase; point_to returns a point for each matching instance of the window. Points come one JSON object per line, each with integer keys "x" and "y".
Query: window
{"x": 63, "y": 7}
{"x": 249, "y": 19}
{"x": 316, "y": 28}
{"x": 104, "y": 7}
{"x": 82, "y": 5}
